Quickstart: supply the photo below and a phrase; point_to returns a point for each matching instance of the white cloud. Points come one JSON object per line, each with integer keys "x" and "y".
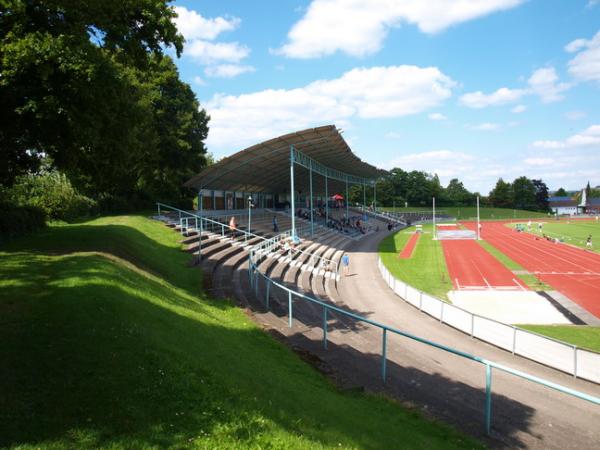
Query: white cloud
{"x": 542, "y": 82}
{"x": 358, "y": 28}
{"x": 487, "y": 126}
{"x": 393, "y": 135}
{"x": 227, "y": 70}
{"x": 502, "y": 96}
{"x": 446, "y": 164}
{"x": 575, "y": 115}
{"x": 199, "y": 81}
{"x": 437, "y": 116}
{"x": 193, "y": 26}
{"x": 519, "y": 109}
{"x": 587, "y": 138}
{"x": 540, "y": 161}
{"x": 375, "y": 92}
{"x": 586, "y": 64}
{"x": 210, "y": 53}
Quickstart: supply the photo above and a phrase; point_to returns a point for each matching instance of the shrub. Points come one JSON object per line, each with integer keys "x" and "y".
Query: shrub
{"x": 17, "y": 220}
{"x": 52, "y": 192}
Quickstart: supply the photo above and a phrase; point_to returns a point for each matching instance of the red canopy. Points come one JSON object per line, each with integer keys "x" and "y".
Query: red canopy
{"x": 337, "y": 197}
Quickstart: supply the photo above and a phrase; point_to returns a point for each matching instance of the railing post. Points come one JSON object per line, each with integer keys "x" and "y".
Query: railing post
{"x": 472, "y": 324}
{"x": 442, "y": 313}
{"x": 256, "y": 283}
{"x": 325, "y": 327}
{"x": 575, "y": 361}
{"x": 158, "y": 206}
{"x": 384, "y": 355}
{"x": 290, "y": 308}
{"x": 222, "y": 230}
{"x": 488, "y": 398}
{"x": 420, "y": 300}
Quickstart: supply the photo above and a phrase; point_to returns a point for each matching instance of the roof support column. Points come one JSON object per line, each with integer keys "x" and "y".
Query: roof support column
{"x": 312, "y": 223}
{"x": 292, "y": 188}
{"x": 364, "y": 197}
{"x": 214, "y": 200}
{"x": 374, "y": 196}
{"x": 347, "y": 216}
{"x": 326, "y": 202}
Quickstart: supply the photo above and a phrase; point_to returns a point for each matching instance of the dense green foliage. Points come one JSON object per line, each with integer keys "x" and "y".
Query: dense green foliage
{"x": 52, "y": 192}
{"x": 87, "y": 84}
{"x": 522, "y": 193}
{"x": 426, "y": 270}
{"x": 99, "y": 351}
{"x": 16, "y": 220}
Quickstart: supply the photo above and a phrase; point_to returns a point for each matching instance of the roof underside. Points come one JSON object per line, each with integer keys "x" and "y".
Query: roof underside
{"x": 265, "y": 167}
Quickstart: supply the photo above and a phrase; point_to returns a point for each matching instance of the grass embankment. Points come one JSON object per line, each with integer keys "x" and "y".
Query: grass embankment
{"x": 426, "y": 270}
{"x": 470, "y": 212}
{"x": 529, "y": 279}
{"x": 570, "y": 231}
{"x": 582, "y": 336}
{"x": 123, "y": 350}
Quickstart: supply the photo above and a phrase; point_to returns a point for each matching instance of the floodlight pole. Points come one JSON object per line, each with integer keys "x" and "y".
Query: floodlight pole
{"x": 312, "y": 225}
{"x": 434, "y": 230}
{"x": 478, "y": 224}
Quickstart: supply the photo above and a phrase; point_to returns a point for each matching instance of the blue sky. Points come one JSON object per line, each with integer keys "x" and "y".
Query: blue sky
{"x": 473, "y": 89}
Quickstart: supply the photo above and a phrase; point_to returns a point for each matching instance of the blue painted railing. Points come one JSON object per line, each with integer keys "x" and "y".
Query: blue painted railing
{"x": 254, "y": 275}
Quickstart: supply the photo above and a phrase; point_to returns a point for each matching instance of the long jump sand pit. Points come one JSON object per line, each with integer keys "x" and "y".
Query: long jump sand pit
{"x": 512, "y": 307}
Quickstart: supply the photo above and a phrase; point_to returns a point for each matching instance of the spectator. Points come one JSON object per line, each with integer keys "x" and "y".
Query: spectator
{"x": 233, "y": 226}
{"x": 275, "y": 225}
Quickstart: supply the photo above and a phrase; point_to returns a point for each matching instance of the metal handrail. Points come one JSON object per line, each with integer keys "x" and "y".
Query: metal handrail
{"x": 247, "y": 234}
{"x": 254, "y": 273}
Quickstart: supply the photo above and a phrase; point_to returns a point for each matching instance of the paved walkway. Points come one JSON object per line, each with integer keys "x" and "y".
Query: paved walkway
{"x": 525, "y": 415}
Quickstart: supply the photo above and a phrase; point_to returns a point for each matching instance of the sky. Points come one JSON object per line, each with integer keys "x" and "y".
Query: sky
{"x": 468, "y": 89}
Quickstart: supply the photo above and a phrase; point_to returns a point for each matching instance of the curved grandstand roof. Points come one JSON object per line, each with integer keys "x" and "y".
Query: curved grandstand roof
{"x": 265, "y": 167}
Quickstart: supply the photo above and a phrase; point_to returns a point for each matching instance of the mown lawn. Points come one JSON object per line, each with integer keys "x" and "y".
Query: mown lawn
{"x": 107, "y": 341}
{"x": 470, "y": 212}
{"x": 426, "y": 270}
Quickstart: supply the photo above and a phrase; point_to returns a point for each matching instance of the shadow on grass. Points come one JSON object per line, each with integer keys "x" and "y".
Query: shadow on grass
{"x": 91, "y": 356}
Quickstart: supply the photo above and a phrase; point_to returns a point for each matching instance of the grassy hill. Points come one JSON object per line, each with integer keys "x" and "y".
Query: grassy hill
{"x": 107, "y": 341}
{"x": 470, "y": 212}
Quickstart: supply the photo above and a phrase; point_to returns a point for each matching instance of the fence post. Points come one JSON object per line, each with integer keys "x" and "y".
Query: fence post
{"x": 514, "y": 346}
{"x": 158, "y": 206}
{"x": 442, "y": 313}
{"x": 488, "y": 398}
{"x": 290, "y": 308}
{"x": 472, "y": 324}
{"x": 420, "y": 300}
{"x": 384, "y": 355}
{"x": 325, "y": 327}
{"x": 256, "y": 283}
{"x": 575, "y": 361}
{"x": 222, "y": 230}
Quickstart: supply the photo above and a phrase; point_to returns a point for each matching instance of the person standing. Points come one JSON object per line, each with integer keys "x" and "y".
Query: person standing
{"x": 275, "y": 225}
{"x": 232, "y": 226}
{"x": 346, "y": 264}
{"x": 588, "y": 243}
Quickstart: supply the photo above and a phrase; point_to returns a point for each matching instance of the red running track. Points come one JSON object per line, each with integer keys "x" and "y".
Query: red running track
{"x": 570, "y": 270}
{"x": 409, "y": 247}
{"x": 472, "y": 267}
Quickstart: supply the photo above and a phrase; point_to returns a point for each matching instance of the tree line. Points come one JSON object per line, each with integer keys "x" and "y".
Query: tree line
{"x": 417, "y": 189}
{"x": 91, "y": 101}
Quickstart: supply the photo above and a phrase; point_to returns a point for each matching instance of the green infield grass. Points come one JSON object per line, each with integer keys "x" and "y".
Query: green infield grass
{"x": 108, "y": 341}
{"x": 570, "y": 231}
{"x": 425, "y": 270}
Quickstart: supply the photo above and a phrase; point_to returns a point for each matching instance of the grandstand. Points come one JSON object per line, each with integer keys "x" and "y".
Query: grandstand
{"x": 270, "y": 271}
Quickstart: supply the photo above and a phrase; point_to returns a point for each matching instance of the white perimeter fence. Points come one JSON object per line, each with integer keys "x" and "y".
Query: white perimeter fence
{"x": 550, "y": 352}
